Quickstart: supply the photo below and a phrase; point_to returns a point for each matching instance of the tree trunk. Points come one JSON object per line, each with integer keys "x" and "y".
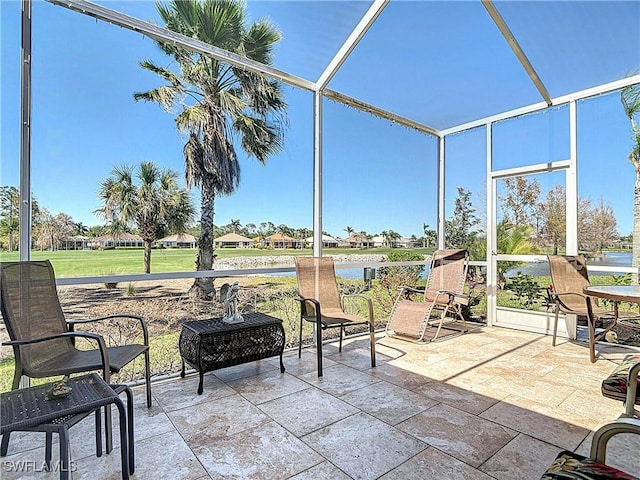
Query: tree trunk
{"x": 635, "y": 258}
{"x": 147, "y": 256}
{"x": 203, "y": 287}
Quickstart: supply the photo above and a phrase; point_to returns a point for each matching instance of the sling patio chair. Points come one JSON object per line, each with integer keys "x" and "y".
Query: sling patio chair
{"x": 321, "y": 303}
{"x": 43, "y": 340}
{"x": 568, "y": 277}
{"x": 444, "y": 294}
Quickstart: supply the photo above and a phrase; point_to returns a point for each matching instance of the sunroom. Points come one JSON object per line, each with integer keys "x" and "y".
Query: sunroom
{"x": 396, "y": 111}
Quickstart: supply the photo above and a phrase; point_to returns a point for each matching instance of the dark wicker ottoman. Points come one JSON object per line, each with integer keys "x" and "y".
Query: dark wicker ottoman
{"x": 208, "y": 345}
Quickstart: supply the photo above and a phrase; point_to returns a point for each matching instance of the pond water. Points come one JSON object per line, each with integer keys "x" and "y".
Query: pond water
{"x": 609, "y": 259}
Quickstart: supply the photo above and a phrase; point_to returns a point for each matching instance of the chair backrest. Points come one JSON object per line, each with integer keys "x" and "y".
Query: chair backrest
{"x": 31, "y": 309}
{"x": 448, "y": 272}
{"x": 317, "y": 279}
{"x": 569, "y": 275}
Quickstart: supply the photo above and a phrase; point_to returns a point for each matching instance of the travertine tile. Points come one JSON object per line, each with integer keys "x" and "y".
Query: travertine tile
{"x": 179, "y": 392}
{"x": 387, "y": 402}
{"x": 523, "y": 458}
{"x": 340, "y": 379}
{"x": 432, "y": 464}
{"x": 462, "y": 435}
{"x": 307, "y": 410}
{"x": 323, "y": 471}
{"x": 358, "y": 358}
{"x": 457, "y": 397}
{"x": 245, "y": 370}
{"x": 307, "y": 363}
{"x": 267, "y": 386}
{"x": 266, "y": 452}
{"x": 220, "y": 417}
{"x": 362, "y": 446}
{"x": 295, "y": 425}
{"x": 399, "y": 376}
{"x": 161, "y": 457}
{"x": 536, "y": 420}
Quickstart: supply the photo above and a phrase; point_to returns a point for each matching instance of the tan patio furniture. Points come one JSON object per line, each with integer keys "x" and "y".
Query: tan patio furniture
{"x": 43, "y": 340}
{"x": 321, "y": 303}
{"x": 569, "y": 277}
{"x": 444, "y": 294}
{"x": 570, "y": 465}
{"x": 623, "y": 384}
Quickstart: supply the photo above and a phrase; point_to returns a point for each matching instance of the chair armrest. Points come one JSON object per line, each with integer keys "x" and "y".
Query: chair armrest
{"x": 362, "y": 296}
{"x": 303, "y": 307}
{"x": 455, "y": 297}
{"x": 406, "y": 289}
{"x": 632, "y": 389}
{"x": 556, "y": 296}
{"x": 143, "y": 324}
{"x": 602, "y": 436}
{"x": 104, "y": 354}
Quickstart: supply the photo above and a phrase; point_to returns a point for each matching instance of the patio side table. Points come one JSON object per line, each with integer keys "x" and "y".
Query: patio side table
{"x": 29, "y": 410}
{"x": 208, "y": 345}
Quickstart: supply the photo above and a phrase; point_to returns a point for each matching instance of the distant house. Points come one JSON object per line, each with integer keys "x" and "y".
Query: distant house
{"x": 114, "y": 241}
{"x": 179, "y": 240}
{"x": 357, "y": 240}
{"x": 279, "y": 240}
{"x": 406, "y": 242}
{"x": 76, "y": 242}
{"x": 379, "y": 241}
{"x": 327, "y": 241}
{"x": 233, "y": 240}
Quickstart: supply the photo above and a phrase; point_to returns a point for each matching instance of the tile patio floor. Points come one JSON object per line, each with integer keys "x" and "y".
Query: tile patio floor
{"x": 492, "y": 403}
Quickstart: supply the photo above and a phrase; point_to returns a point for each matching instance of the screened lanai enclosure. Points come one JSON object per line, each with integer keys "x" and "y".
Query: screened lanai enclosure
{"x": 400, "y": 114}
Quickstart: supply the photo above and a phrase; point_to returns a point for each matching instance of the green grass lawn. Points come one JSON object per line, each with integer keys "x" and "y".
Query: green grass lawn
{"x": 81, "y": 263}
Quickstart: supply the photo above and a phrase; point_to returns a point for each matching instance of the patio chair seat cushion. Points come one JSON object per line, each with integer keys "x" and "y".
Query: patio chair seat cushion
{"x": 569, "y": 465}
{"x": 615, "y": 385}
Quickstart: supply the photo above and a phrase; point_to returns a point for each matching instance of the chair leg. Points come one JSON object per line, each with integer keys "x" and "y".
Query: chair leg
{"x": 98, "y": 423}
{"x": 147, "y": 372}
{"x": 15, "y": 384}
{"x": 300, "y": 339}
{"x": 4, "y": 446}
{"x": 592, "y": 340}
{"x": 555, "y": 327}
{"x": 318, "y": 326}
{"x": 341, "y": 335}
{"x": 48, "y": 445}
{"x": 108, "y": 425}
{"x": 444, "y": 313}
{"x": 372, "y": 337}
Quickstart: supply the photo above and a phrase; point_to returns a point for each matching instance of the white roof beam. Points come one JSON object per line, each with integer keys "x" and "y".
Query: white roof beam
{"x": 580, "y": 95}
{"x": 354, "y": 38}
{"x": 379, "y": 112}
{"x": 515, "y": 46}
{"x": 163, "y": 35}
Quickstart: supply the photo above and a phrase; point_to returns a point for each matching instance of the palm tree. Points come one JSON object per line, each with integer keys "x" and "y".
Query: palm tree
{"x": 218, "y": 104}
{"x": 349, "y": 231}
{"x": 235, "y": 225}
{"x": 156, "y": 205}
{"x": 630, "y": 97}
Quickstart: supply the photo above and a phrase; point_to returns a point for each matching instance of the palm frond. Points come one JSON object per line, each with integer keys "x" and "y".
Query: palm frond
{"x": 259, "y": 139}
{"x": 630, "y": 97}
{"x": 165, "y": 96}
{"x": 167, "y": 75}
{"x": 259, "y": 41}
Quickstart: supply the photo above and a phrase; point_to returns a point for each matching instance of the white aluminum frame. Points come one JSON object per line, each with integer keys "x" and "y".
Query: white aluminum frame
{"x": 319, "y": 93}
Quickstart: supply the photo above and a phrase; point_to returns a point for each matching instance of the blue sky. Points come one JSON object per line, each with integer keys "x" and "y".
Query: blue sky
{"x": 377, "y": 175}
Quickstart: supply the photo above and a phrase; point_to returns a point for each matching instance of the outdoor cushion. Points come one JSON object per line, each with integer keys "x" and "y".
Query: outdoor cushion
{"x": 615, "y": 385}
{"x": 568, "y": 465}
